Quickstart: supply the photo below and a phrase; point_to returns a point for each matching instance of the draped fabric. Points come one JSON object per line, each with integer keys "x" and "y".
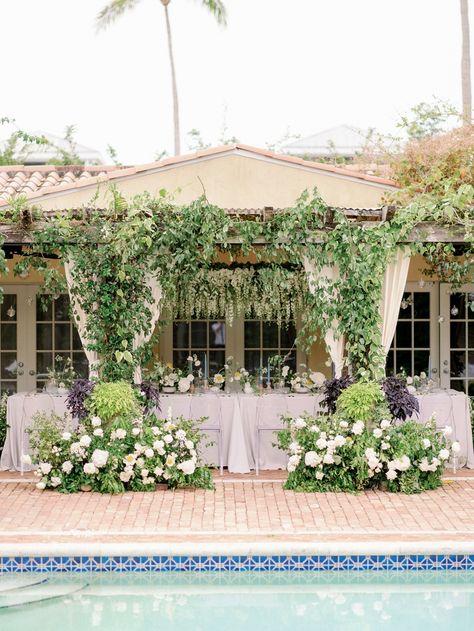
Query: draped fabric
{"x": 335, "y": 344}
{"x": 394, "y": 282}
{"x": 154, "y": 307}
{"x": 80, "y": 318}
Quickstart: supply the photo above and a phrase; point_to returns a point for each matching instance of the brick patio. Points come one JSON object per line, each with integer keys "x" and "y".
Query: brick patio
{"x": 242, "y": 508}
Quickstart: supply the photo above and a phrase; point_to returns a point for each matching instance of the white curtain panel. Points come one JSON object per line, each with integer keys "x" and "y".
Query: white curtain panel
{"x": 80, "y": 318}
{"x": 394, "y": 282}
{"x": 154, "y": 307}
{"x": 335, "y": 345}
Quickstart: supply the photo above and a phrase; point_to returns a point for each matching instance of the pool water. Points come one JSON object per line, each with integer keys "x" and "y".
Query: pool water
{"x": 225, "y": 601}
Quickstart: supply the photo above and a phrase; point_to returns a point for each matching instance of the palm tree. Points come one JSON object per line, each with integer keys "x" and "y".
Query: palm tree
{"x": 466, "y": 64}
{"x": 117, "y": 7}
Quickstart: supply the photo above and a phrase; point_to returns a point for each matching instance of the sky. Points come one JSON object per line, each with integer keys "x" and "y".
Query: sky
{"x": 297, "y": 65}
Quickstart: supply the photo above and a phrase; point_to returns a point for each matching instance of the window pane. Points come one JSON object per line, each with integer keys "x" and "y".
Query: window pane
{"x": 252, "y": 334}
{"x": 44, "y": 337}
{"x": 216, "y": 361}
{"x": 180, "y": 359}
{"x": 470, "y": 388}
{"x": 199, "y": 334}
{"x": 404, "y": 335}
{"x": 80, "y": 364}
{"x": 458, "y": 384}
{"x": 470, "y": 364}
{"x": 9, "y": 302}
{"x": 287, "y": 335}
{"x": 421, "y": 301}
{"x": 252, "y": 360}
{"x": 8, "y": 386}
{"x": 421, "y": 361}
{"x": 42, "y": 314}
{"x": 458, "y": 364}
{"x": 216, "y": 334}
{"x": 61, "y": 308}
{"x": 458, "y": 335}
{"x": 180, "y": 335}
{"x": 405, "y": 307}
{"x": 8, "y": 336}
{"x": 8, "y": 365}
{"x": 76, "y": 340}
{"x": 62, "y": 336}
{"x": 470, "y": 335}
{"x": 457, "y": 302}
{"x": 421, "y": 334}
{"x": 269, "y": 335}
{"x": 43, "y": 362}
{"x": 390, "y": 367}
{"x": 404, "y": 362}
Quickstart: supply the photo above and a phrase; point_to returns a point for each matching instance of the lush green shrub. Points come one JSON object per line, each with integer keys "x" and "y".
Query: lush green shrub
{"x": 3, "y": 419}
{"x": 332, "y": 454}
{"x": 113, "y": 401}
{"x": 362, "y": 401}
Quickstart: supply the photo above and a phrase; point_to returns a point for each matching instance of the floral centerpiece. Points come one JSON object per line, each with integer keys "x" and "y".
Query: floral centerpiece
{"x": 165, "y": 376}
{"x": 420, "y": 384}
{"x": 307, "y": 381}
{"x": 281, "y": 371}
{"x": 61, "y": 377}
{"x": 116, "y": 447}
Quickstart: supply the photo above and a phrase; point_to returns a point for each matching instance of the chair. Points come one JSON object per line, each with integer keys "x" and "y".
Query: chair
{"x": 208, "y": 406}
{"x": 270, "y": 407}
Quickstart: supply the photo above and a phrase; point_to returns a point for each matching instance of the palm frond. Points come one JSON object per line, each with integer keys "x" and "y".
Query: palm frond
{"x": 112, "y": 11}
{"x": 218, "y": 10}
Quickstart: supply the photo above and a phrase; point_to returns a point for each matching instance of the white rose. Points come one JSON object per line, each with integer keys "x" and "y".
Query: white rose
{"x": 392, "y": 464}
{"x": 426, "y": 443}
{"x": 391, "y": 474}
{"x": 321, "y": 443}
{"x": 181, "y": 434}
{"x": 190, "y": 377}
{"x": 144, "y": 473}
{"x": 443, "y": 454}
{"x": 120, "y": 433}
{"x": 170, "y": 460}
{"x": 156, "y": 430}
{"x": 197, "y": 363}
{"x": 339, "y": 440}
{"x": 135, "y": 431}
{"x": 385, "y": 424}
{"x": 158, "y": 445}
{"x": 149, "y": 453}
{"x": 55, "y": 481}
{"x": 45, "y": 467}
{"x": 66, "y": 435}
{"x": 435, "y": 462}
{"x": 409, "y": 381}
{"x": 67, "y": 466}
{"x": 89, "y": 468}
{"x": 140, "y": 462}
{"x": 369, "y": 452}
{"x": 447, "y": 431}
{"x": 358, "y": 428}
{"x": 293, "y": 462}
{"x": 85, "y": 441}
{"x": 344, "y": 424}
{"x": 403, "y": 463}
{"x": 284, "y": 371}
{"x": 96, "y": 421}
{"x": 314, "y": 429}
{"x": 158, "y": 471}
{"x": 99, "y": 458}
{"x": 456, "y": 447}
{"x": 422, "y": 375}
{"x": 385, "y": 446}
{"x": 98, "y": 431}
{"x": 411, "y": 389}
{"x": 187, "y": 467}
{"x": 319, "y": 475}
{"x": 41, "y": 486}
{"x": 168, "y": 439}
{"x": 299, "y": 423}
{"x": 125, "y": 476}
{"x": 378, "y": 433}
{"x": 312, "y": 459}
{"x": 328, "y": 459}
{"x": 189, "y": 444}
{"x": 424, "y": 465}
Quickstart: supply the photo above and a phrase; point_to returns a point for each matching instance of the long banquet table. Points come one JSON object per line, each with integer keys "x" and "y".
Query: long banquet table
{"x": 237, "y": 416}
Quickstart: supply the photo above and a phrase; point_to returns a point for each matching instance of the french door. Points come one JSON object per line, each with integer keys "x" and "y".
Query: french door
{"x": 33, "y": 338}
{"x": 457, "y": 338}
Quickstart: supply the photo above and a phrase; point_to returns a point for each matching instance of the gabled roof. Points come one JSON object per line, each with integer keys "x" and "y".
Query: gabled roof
{"x": 343, "y": 140}
{"x": 38, "y": 182}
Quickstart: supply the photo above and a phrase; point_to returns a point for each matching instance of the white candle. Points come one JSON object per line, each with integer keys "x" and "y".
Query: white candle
{"x": 206, "y": 375}
{"x": 429, "y": 367}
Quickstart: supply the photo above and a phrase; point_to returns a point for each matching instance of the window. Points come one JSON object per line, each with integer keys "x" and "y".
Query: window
{"x": 57, "y": 335}
{"x": 8, "y": 344}
{"x": 262, "y": 340}
{"x": 200, "y": 337}
{"x": 461, "y": 342}
{"x": 411, "y": 346}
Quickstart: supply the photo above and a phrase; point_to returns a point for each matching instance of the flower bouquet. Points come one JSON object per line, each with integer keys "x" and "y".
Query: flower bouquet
{"x": 307, "y": 381}
{"x": 61, "y": 377}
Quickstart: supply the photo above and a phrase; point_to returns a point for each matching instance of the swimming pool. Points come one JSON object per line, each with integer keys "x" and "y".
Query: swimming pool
{"x": 231, "y": 601}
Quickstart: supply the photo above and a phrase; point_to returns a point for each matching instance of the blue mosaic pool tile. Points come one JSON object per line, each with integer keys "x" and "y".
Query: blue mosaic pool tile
{"x": 258, "y": 563}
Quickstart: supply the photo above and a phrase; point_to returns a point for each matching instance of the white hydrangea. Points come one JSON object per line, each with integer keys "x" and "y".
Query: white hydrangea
{"x": 168, "y": 438}
{"x": 66, "y": 435}
{"x": 45, "y": 467}
{"x": 120, "y": 433}
{"x": 339, "y": 440}
{"x": 158, "y": 471}
{"x": 377, "y": 432}
{"x": 99, "y": 458}
{"x": 187, "y": 467}
{"x": 85, "y": 440}
{"x": 96, "y": 421}
{"x": 299, "y": 423}
{"x": 90, "y": 468}
{"x": 135, "y": 431}
{"x": 321, "y": 443}
{"x": 125, "y": 476}
{"x": 294, "y": 448}
{"x": 67, "y": 466}
{"x": 181, "y": 435}
{"x": 426, "y": 442}
{"x": 358, "y": 428}
{"x": 385, "y": 424}
{"x": 391, "y": 474}
{"x": 55, "y": 481}
{"x": 328, "y": 459}
{"x": 443, "y": 454}
{"x": 344, "y": 424}
{"x": 319, "y": 475}
{"x": 293, "y": 462}
{"x": 312, "y": 459}
{"x": 98, "y": 431}
{"x": 158, "y": 445}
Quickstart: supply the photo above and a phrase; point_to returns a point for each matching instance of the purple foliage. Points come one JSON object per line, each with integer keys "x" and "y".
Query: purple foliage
{"x": 332, "y": 390}
{"x": 402, "y": 404}
{"x": 150, "y": 394}
{"x": 75, "y": 402}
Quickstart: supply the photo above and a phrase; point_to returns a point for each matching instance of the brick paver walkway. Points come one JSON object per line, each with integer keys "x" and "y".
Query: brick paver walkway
{"x": 238, "y": 510}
